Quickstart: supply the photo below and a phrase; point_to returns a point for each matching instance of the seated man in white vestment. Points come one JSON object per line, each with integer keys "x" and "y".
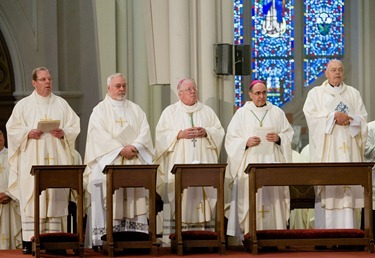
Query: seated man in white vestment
{"x": 10, "y": 217}
{"x": 118, "y": 134}
{"x": 41, "y": 130}
{"x": 259, "y": 132}
{"x": 336, "y": 118}
{"x": 187, "y": 132}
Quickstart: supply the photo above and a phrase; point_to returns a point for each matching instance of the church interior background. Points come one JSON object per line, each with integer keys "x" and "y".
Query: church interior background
{"x": 155, "y": 43}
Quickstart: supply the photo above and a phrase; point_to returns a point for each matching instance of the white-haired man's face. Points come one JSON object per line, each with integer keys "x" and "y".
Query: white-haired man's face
{"x": 117, "y": 88}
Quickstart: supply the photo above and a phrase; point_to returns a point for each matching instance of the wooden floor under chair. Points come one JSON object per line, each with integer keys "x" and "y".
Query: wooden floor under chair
{"x": 193, "y": 175}
{"x": 125, "y": 176}
{"x": 286, "y": 174}
{"x": 60, "y": 176}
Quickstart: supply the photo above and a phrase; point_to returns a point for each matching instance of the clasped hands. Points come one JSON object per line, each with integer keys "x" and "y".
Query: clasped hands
{"x": 129, "y": 152}
{"x": 255, "y": 140}
{"x": 191, "y": 133}
{"x": 4, "y": 199}
{"x": 36, "y": 134}
{"x": 342, "y": 118}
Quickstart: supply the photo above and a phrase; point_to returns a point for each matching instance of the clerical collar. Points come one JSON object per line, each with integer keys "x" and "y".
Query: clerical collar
{"x": 190, "y": 108}
{"x": 265, "y": 104}
{"x": 334, "y": 86}
{"x": 41, "y": 99}
{"x": 116, "y": 103}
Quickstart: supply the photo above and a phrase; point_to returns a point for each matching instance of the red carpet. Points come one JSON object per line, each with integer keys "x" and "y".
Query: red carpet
{"x": 165, "y": 252}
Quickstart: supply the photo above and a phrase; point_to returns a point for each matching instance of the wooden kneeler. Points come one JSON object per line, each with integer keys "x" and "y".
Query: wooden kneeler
{"x": 193, "y": 175}
{"x": 60, "y": 176}
{"x": 125, "y": 176}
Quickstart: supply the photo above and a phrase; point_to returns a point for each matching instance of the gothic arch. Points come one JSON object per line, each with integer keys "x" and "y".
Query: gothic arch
{"x": 7, "y": 85}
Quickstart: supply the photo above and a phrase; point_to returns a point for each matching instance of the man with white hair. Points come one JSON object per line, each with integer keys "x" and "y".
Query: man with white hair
{"x": 118, "y": 134}
{"x": 337, "y": 122}
{"x": 188, "y": 131}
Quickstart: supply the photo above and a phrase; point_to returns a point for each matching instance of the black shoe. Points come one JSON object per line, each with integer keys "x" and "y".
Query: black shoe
{"x": 26, "y": 247}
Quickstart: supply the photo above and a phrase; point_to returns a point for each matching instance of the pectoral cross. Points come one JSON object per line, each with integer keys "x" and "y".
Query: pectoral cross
{"x": 194, "y": 140}
{"x": 263, "y": 211}
{"x": 346, "y": 188}
{"x": 4, "y": 238}
{"x": 344, "y": 147}
{"x": 48, "y": 158}
{"x": 120, "y": 121}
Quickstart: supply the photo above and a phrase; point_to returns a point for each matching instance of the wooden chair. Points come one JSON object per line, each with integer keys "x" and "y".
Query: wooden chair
{"x": 63, "y": 176}
{"x": 126, "y": 176}
{"x": 192, "y": 175}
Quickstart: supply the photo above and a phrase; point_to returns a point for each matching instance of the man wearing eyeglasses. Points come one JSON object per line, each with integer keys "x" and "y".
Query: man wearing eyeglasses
{"x": 42, "y": 130}
{"x": 118, "y": 134}
{"x": 259, "y": 132}
{"x": 187, "y": 132}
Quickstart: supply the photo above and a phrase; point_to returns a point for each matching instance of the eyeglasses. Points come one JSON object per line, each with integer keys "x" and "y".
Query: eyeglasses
{"x": 258, "y": 93}
{"x": 43, "y": 79}
{"x": 191, "y": 89}
{"x": 118, "y": 86}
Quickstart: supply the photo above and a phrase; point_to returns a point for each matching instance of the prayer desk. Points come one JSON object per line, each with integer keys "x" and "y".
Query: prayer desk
{"x": 59, "y": 176}
{"x": 286, "y": 174}
{"x": 125, "y": 176}
{"x": 193, "y": 175}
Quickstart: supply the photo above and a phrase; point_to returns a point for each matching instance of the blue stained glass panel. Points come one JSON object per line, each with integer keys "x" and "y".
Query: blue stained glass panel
{"x": 238, "y": 40}
{"x": 273, "y": 47}
{"x": 323, "y": 36}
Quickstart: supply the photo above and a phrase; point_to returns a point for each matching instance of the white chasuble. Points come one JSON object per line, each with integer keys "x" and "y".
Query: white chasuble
{"x": 330, "y": 142}
{"x": 48, "y": 150}
{"x": 198, "y": 203}
{"x": 113, "y": 125}
{"x": 10, "y": 218}
{"x": 272, "y": 202}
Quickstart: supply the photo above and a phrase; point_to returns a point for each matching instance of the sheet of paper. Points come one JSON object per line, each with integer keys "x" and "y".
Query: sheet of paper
{"x": 265, "y": 147}
{"x": 48, "y": 125}
{"x": 127, "y": 136}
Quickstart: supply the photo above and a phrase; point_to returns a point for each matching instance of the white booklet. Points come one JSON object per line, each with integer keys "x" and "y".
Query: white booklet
{"x": 48, "y": 125}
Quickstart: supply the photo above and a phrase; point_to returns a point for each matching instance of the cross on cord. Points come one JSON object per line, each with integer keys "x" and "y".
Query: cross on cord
{"x": 194, "y": 140}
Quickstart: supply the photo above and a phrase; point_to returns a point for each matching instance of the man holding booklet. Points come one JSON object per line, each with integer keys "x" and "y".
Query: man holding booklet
{"x": 41, "y": 131}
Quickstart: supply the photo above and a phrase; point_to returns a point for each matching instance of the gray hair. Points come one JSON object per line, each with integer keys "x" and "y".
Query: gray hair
{"x": 182, "y": 81}
{"x": 109, "y": 79}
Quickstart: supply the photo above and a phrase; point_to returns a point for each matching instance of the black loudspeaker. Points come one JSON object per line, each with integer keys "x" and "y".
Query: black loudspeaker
{"x": 242, "y": 60}
{"x": 223, "y": 59}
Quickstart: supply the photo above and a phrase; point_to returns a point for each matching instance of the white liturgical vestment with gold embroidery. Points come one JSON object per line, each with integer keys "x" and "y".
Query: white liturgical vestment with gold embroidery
{"x": 330, "y": 142}
{"x": 198, "y": 203}
{"x": 23, "y": 153}
{"x": 10, "y": 217}
{"x": 272, "y": 202}
{"x": 113, "y": 125}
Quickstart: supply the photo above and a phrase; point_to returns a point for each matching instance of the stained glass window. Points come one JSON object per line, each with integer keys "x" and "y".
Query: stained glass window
{"x": 323, "y": 36}
{"x": 272, "y": 35}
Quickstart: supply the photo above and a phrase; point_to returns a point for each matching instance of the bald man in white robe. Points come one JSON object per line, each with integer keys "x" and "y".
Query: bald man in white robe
{"x": 337, "y": 122}
{"x": 187, "y": 132}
